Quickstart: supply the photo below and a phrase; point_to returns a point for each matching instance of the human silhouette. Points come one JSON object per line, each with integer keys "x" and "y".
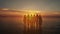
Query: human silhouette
{"x": 39, "y": 21}
{"x": 34, "y": 24}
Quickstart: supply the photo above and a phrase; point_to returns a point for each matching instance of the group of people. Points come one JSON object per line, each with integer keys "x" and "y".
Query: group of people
{"x": 32, "y": 24}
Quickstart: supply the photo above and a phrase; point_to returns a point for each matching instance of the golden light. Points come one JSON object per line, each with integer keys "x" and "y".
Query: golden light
{"x": 32, "y": 12}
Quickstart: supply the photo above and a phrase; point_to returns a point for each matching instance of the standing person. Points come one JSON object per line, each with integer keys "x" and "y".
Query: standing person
{"x": 39, "y": 23}
{"x": 24, "y": 20}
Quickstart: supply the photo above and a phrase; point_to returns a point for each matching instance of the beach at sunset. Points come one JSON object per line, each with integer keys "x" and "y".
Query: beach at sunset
{"x": 29, "y": 16}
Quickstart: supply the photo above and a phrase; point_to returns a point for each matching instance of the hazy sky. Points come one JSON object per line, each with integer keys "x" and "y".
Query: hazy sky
{"x": 31, "y": 4}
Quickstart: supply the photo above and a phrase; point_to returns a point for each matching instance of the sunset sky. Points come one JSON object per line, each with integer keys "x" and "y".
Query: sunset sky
{"x": 43, "y": 5}
{"x": 12, "y": 15}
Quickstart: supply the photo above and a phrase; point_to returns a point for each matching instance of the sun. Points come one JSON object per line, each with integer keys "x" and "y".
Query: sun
{"x": 32, "y": 12}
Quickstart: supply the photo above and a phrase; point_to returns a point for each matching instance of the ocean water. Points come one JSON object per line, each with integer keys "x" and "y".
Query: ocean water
{"x": 14, "y": 25}
{"x": 51, "y": 26}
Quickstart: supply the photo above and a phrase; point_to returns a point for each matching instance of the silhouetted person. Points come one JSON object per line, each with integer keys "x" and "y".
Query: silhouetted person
{"x": 24, "y": 24}
{"x": 34, "y": 24}
{"x": 39, "y": 19}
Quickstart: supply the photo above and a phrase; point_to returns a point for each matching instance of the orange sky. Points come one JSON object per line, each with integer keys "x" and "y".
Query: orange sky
{"x": 17, "y": 12}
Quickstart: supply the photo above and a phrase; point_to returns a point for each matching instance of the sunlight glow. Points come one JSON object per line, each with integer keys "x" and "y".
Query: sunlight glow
{"x": 32, "y": 12}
